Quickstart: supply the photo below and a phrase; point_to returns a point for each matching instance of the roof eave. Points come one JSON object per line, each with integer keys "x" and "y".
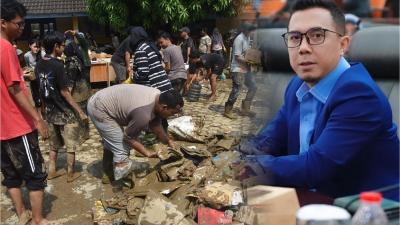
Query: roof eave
{"x": 55, "y": 15}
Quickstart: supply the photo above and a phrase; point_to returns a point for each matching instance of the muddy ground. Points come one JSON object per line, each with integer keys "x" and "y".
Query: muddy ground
{"x": 72, "y": 203}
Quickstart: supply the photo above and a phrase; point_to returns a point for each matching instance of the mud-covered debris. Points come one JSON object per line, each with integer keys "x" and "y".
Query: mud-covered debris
{"x": 246, "y": 215}
{"x": 158, "y": 209}
{"x": 219, "y": 194}
{"x": 134, "y": 206}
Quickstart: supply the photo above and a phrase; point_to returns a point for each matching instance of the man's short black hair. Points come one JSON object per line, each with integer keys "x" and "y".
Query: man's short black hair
{"x": 165, "y": 35}
{"x": 171, "y": 98}
{"x": 194, "y": 54}
{"x": 247, "y": 27}
{"x": 330, "y": 5}
{"x": 51, "y": 39}
{"x": 11, "y": 8}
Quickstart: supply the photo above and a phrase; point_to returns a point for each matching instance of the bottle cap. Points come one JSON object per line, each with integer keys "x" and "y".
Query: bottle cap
{"x": 371, "y": 197}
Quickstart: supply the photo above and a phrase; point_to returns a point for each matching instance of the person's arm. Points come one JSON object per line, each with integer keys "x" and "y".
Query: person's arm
{"x": 167, "y": 60}
{"x": 238, "y": 52}
{"x": 208, "y": 43}
{"x": 167, "y": 67}
{"x": 141, "y": 149}
{"x": 355, "y": 121}
{"x": 35, "y": 85}
{"x": 141, "y": 65}
{"x": 26, "y": 58}
{"x": 19, "y": 96}
{"x": 189, "y": 49}
{"x": 159, "y": 131}
{"x": 66, "y": 93}
{"x": 127, "y": 62}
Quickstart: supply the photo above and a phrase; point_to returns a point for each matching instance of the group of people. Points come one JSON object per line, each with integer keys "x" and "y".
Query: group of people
{"x": 334, "y": 133}
{"x": 181, "y": 62}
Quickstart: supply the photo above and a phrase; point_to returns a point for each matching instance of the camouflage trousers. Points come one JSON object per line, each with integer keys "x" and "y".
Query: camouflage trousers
{"x": 67, "y": 135}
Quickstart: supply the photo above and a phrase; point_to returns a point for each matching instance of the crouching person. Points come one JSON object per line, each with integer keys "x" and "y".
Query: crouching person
{"x": 134, "y": 107}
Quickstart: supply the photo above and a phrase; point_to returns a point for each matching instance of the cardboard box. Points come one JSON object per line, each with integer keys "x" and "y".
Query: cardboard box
{"x": 273, "y": 205}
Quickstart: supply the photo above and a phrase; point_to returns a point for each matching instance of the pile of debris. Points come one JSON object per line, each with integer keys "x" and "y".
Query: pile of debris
{"x": 193, "y": 184}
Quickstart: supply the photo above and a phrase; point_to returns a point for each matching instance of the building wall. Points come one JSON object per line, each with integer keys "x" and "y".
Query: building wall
{"x": 64, "y": 24}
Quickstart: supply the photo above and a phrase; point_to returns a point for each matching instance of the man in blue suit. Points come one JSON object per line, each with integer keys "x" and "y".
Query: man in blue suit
{"x": 334, "y": 133}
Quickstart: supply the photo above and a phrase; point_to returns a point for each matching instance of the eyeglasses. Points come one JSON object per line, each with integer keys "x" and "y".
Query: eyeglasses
{"x": 314, "y": 36}
{"x": 20, "y": 25}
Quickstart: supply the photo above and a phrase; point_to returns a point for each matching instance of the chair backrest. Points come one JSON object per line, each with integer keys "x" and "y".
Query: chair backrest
{"x": 376, "y": 47}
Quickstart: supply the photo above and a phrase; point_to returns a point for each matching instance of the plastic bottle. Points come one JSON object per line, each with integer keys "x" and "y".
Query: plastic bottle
{"x": 370, "y": 211}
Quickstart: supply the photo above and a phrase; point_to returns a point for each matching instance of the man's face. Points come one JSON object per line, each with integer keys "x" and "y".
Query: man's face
{"x": 313, "y": 62}
{"x": 167, "y": 112}
{"x": 184, "y": 34}
{"x": 59, "y": 49}
{"x": 163, "y": 42}
{"x": 13, "y": 28}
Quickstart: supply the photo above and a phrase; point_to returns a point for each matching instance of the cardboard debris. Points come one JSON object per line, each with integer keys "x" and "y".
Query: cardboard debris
{"x": 195, "y": 151}
{"x": 159, "y": 210}
{"x": 221, "y": 194}
{"x": 194, "y": 177}
{"x": 160, "y": 187}
{"x": 273, "y": 205}
{"x": 246, "y": 215}
{"x": 134, "y": 206}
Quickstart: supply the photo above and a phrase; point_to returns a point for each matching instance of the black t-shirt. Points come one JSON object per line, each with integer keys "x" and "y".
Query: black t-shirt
{"x": 119, "y": 54}
{"x": 187, "y": 43}
{"x": 212, "y": 61}
{"x": 50, "y": 80}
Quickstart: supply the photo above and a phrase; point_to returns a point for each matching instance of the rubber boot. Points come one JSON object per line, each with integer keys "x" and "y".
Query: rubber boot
{"x": 71, "y": 173}
{"x": 228, "y": 111}
{"x": 108, "y": 168}
{"x": 246, "y": 109}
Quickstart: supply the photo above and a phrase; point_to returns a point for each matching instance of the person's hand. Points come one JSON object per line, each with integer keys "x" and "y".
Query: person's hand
{"x": 73, "y": 32}
{"x": 83, "y": 117}
{"x": 171, "y": 144}
{"x": 151, "y": 154}
{"x": 129, "y": 70}
{"x": 43, "y": 128}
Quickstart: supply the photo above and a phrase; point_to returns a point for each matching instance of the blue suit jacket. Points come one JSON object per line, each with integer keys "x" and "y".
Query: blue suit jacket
{"x": 354, "y": 147}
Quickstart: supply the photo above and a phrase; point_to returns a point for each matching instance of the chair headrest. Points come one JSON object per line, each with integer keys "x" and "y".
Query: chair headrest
{"x": 275, "y": 53}
{"x": 378, "y": 49}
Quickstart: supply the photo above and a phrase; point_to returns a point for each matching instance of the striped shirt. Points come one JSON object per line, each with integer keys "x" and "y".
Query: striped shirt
{"x": 149, "y": 70}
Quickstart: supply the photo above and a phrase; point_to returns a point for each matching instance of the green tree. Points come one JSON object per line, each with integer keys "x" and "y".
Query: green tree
{"x": 155, "y": 13}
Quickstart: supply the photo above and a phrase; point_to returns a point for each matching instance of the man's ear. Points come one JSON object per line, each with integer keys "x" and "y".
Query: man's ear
{"x": 3, "y": 23}
{"x": 344, "y": 44}
{"x": 164, "y": 106}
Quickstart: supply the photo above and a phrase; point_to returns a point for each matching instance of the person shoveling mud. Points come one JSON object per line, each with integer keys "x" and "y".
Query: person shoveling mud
{"x": 134, "y": 107}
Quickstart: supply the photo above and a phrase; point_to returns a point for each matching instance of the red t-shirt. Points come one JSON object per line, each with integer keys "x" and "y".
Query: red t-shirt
{"x": 15, "y": 121}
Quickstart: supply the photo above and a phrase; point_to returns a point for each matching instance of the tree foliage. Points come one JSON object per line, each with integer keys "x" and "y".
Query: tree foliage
{"x": 156, "y": 13}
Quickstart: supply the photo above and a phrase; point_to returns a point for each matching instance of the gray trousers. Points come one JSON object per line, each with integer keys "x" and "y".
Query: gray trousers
{"x": 238, "y": 79}
{"x": 110, "y": 131}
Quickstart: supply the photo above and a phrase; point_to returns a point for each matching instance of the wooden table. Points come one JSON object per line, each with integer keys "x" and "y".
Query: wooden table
{"x": 102, "y": 71}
